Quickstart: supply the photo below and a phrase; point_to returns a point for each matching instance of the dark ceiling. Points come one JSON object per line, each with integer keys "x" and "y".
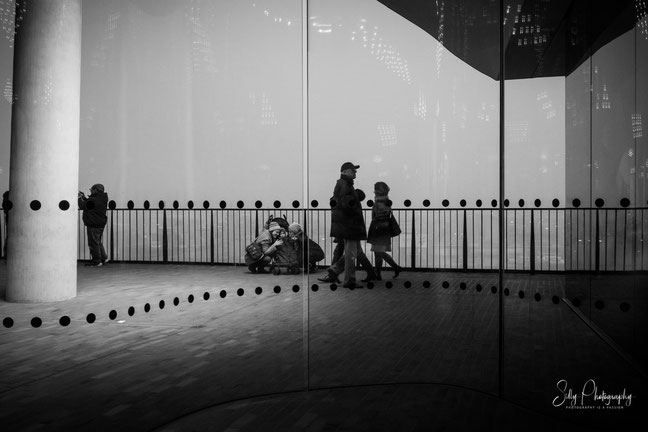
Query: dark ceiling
{"x": 541, "y": 37}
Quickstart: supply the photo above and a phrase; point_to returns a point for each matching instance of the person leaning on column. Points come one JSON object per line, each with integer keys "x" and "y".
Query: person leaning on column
{"x": 94, "y": 218}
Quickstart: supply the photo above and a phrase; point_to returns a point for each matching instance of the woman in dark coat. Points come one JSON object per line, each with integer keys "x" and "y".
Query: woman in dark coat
{"x": 380, "y": 234}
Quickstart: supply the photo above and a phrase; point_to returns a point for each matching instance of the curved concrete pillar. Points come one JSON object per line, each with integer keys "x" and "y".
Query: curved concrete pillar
{"x": 42, "y": 242}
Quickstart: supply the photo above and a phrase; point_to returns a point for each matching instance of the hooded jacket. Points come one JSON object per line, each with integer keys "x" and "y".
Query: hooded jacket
{"x": 347, "y": 221}
{"x": 94, "y": 209}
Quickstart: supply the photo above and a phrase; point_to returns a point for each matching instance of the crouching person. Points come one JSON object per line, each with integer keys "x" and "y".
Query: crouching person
{"x": 268, "y": 242}
{"x": 308, "y": 252}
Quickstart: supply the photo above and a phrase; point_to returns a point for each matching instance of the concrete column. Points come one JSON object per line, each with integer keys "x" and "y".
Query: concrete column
{"x": 44, "y": 171}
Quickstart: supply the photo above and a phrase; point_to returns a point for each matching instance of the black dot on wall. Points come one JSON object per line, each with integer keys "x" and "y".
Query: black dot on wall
{"x": 314, "y": 204}
{"x": 494, "y": 289}
{"x": 147, "y": 308}
{"x": 555, "y": 202}
{"x": 478, "y": 287}
{"x": 407, "y": 284}
{"x": 161, "y": 304}
{"x": 462, "y": 203}
{"x": 223, "y": 294}
{"x": 277, "y": 204}
{"x": 64, "y": 205}
{"x": 91, "y": 318}
{"x": 7, "y": 205}
{"x": 240, "y": 204}
{"x": 130, "y": 204}
{"x": 599, "y": 202}
{"x": 205, "y": 204}
{"x": 462, "y": 285}
{"x": 625, "y": 307}
{"x": 333, "y": 203}
{"x": 131, "y": 311}
{"x": 64, "y": 321}
{"x": 190, "y": 299}
{"x": 537, "y": 297}
{"x": 36, "y": 322}
{"x": 445, "y": 203}
{"x": 258, "y": 204}
{"x": 161, "y": 205}
{"x": 388, "y": 285}
{"x": 521, "y": 294}
{"x": 112, "y": 314}
{"x": 8, "y": 322}
{"x": 427, "y": 284}
{"x": 147, "y": 205}
{"x": 494, "y": 203}
{"x": 315, "y": 288}
{"x": 258, "y": 290}
{"x": 370, "y": 203}
{"x": 295, "y": 204}
{"x": 295, "y": 288}
{"x": 521, "y": 203}
{"x": 555, "y": 299}
{"x": 478, "y": 203}
{"x": 176, "y": 205}
{"x": 426, "y": 203}
{"x": 507, "y": 292}
{"x": 576, "y": 302}
{"x": 370, "y": 285}
{"x": 36, "y": 205}
{"x": 277, "y": 289}
{"x": 537, "y": 203}
{"x": 576, "y": 202}
{"x": 506, "y": 202}
{"x": 206, "y": 296}
{"x": 333, "y": 287}
{"x": 240, "y": 292}
{"x": 625, "y": 202}
{"x": 222, "y": 204}
{"x": 190, "y": 204}
{"x": 407, "y": 203}
{"x": 112, "y": 205}
{"x": 176, "y": 301}
{"x": 445, "y": 284}
{"x": 598, "y": 304}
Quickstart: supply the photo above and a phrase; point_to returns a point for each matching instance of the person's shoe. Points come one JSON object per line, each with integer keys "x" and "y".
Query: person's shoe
{"x": 330, "y": 278}
{"x": 352, "y": 285}
{"x": 94, "y": 264}
{"x": 369, "y": 278}
{"x": 397, "y": 271}
{"x": 252, "y": 269}
{"x": 261, "y": 270}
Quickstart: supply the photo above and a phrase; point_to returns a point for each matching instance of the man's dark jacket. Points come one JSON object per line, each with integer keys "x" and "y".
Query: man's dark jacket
{"x": 94, "y": 209}
{"x": 347, "y": 221}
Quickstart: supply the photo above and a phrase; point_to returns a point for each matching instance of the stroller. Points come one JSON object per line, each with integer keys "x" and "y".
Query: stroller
{"x": 286, "y": 256}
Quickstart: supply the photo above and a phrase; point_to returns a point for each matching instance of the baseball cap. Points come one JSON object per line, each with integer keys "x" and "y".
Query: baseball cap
{"x": 348, "y": 165}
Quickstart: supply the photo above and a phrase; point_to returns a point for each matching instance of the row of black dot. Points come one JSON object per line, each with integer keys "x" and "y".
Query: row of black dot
{"x": 91, "y": 317}
{"x": 65, "y": 205}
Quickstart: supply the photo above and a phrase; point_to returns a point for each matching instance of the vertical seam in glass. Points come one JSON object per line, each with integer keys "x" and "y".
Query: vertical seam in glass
{"x": 501, "y": 197}
{"x": 305, "y": 201}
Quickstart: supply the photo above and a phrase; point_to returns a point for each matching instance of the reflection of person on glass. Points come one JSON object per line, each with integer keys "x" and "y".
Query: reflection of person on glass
{"x": 94, "y": 218}
{"x": 347, "y": 225}
{"x": 379, "y": 230}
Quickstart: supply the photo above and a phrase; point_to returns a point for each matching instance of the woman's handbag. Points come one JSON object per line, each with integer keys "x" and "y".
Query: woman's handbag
{"x": 394, "y": 228}
{"x": 254, "y": 251}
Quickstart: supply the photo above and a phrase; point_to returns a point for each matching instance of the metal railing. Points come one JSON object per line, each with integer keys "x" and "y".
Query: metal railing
{"x": 536, "y": 239}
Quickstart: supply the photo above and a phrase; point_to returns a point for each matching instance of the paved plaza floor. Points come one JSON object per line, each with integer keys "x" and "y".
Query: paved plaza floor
{"x": 174, "y": 347}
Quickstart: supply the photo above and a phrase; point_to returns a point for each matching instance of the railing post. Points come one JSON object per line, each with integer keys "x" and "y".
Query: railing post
{"x": 165, "y": 238}
{"x": 112, "y": 235}
{"x": 413, "y": 241}
{"x": 256, "y": 224}
{"x": 211, "y": 236}
{"x": 465, "y": 242}
{"x": 532, "y": 244}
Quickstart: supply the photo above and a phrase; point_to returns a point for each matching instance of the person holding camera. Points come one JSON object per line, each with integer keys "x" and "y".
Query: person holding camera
{"x": 94, "y": 218}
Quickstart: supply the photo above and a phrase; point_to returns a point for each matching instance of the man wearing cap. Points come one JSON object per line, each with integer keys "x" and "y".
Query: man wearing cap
{"x": 94, "y": 218}
{"x": 347, "y": 225}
